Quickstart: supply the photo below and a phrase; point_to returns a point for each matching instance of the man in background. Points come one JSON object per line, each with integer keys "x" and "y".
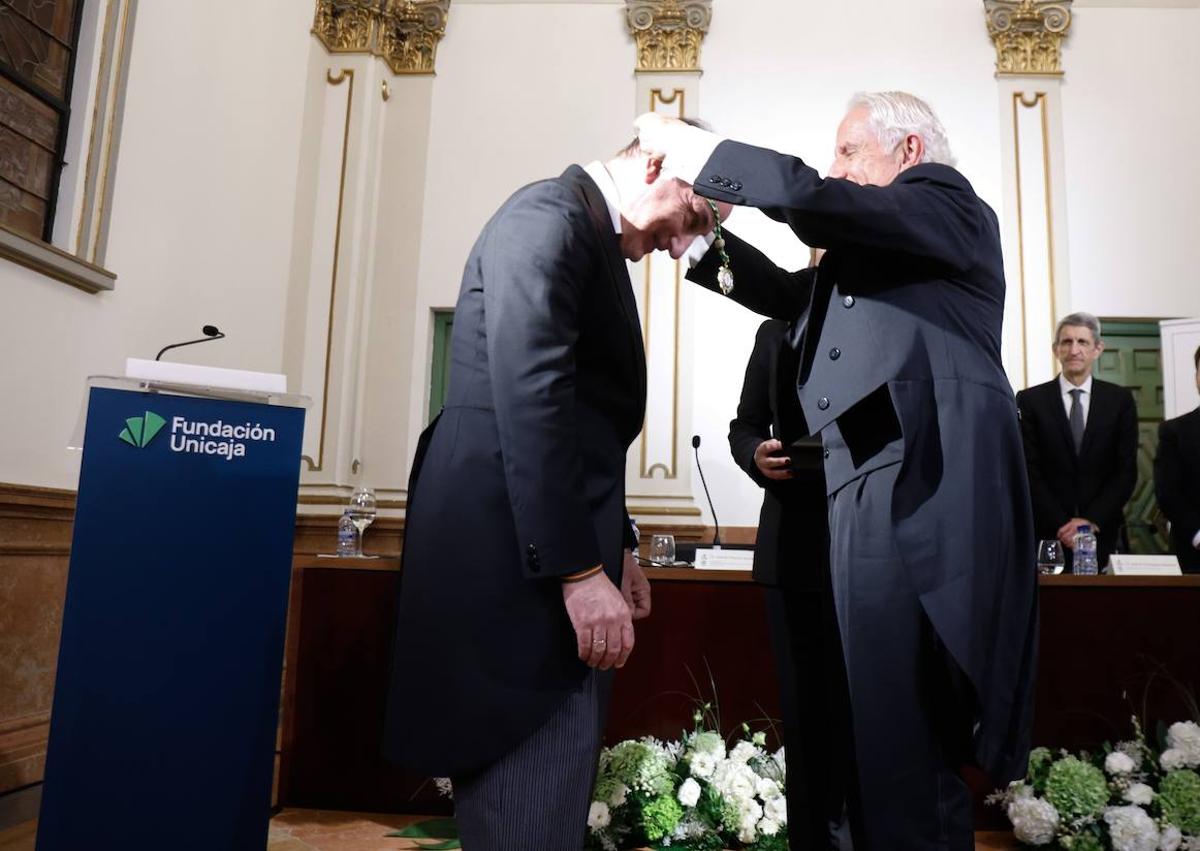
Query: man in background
{"x": 519, "y": 589}
{"x": 1177, "y": 481}
{"x": 1081, "y": 437}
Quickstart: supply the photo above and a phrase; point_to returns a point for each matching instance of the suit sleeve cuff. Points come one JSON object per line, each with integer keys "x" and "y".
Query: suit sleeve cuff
{"x": 693, "y": 149}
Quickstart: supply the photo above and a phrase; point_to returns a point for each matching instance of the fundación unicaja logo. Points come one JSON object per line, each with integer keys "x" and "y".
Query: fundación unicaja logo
{"x": 139, "y": 431}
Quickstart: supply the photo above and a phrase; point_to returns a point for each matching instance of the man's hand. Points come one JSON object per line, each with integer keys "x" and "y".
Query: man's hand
{"x": 602, "y": 621}
{"x": 1066, "y": 534}
{"x": 658, "y": 134}
{"x": 772, "y": 466}
{"x": 635, "y": 588}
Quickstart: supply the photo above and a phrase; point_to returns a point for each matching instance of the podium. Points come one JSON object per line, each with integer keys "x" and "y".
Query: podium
{"x": 166, "y": 702}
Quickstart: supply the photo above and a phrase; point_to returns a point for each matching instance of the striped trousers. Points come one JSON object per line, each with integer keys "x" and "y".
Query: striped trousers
{"x": 536, "y": 797}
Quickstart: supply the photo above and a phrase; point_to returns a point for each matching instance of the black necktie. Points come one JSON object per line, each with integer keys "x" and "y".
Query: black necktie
{"x": 1077, "y": 418}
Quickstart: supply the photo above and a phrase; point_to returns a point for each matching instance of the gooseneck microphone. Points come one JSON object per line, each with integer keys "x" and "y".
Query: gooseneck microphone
{"x": 211, "y": 332}
{"x": 716, "y": 525}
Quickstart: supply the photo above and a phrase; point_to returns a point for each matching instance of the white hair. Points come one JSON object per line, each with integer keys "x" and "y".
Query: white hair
{"x": 895, "y": 115}
{"x": 1079, "y": 320}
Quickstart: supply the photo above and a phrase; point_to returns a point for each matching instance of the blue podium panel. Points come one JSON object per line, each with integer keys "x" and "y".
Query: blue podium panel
{"x": 165, "y": 707}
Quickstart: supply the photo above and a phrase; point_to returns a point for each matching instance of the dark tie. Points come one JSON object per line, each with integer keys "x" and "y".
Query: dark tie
{"x": 1077, "y": 418}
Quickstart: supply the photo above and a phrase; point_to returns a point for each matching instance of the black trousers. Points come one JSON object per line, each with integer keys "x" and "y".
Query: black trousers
{"x": 910, "y": 705}
{"x": 815, "y": 703}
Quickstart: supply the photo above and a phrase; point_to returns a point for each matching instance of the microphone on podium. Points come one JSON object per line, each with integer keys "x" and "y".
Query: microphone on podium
{"x": 716, "y": 526}
{"x": 211, "y": 332}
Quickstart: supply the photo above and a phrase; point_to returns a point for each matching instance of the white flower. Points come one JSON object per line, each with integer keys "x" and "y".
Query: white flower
{"x": 776, "y": 809}
{"x": 1173, "y": 758}
{"x": 618, "y": 796}
{"x": 444, "y": 786}
{"x": 1130, "y": 829}
{"x": 703, "y": 764}
{"x": 1140, "y": 794}
{"x": 749, "y": 812}
{"x": 759, "y": 739}
{"x": 768, "y": 827}
{"x": 598, "y": 817}
{"x": 689, "y": 793}
{"x": 1171, "y": 839}
{"x": 766, "y": 788}
{"x": 735, "y": 780}
{"x": 743, "y": 752}
{"x": 781, "y": 761}
{"x": 1034, "y": 820}
{"x": 1118, "y": 763}
{"x": 1185, "y": 736}
{"x": 1134, "y": 751}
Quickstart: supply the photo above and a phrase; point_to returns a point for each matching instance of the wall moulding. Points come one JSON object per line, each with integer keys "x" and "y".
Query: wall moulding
{"x": 1028, "y": 35}
{"x": 403, "y": 33}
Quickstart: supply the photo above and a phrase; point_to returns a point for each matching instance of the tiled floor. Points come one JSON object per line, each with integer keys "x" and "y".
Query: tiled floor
{"x": 319, "y": 830}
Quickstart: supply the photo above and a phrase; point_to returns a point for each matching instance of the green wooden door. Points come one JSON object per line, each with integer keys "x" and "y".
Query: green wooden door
{"x": 1132, "y": 358}
{"x": 439, "y": 368}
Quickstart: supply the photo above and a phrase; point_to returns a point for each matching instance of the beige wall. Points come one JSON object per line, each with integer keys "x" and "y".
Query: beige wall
{"x": 212, "y": 172}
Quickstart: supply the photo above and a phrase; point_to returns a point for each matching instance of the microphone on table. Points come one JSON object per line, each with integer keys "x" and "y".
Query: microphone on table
{"x": 716, "y": 525}
{"x": 211, "y": 332}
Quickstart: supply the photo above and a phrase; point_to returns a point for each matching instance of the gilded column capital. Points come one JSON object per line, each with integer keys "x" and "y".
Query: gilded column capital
{"x": 668, "y": 33}
{"x": 403, "y": 33}
{"x": 1028, "y": 34}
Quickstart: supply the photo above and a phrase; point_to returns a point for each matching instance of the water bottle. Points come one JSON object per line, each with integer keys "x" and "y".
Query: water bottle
{"x": 347, "y": 544}
{"x": 1085, "y": 551}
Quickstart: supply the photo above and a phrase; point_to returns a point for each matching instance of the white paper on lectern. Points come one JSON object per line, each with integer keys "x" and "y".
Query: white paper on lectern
{"x": 1124, "y": 564}
{"x": 205, "y": 376}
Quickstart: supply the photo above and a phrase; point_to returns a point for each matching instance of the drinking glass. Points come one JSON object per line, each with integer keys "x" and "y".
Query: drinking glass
{"x": 662, "y": 549}
{"x": 1050, "y": 558}
{"x": 362, "y": 513}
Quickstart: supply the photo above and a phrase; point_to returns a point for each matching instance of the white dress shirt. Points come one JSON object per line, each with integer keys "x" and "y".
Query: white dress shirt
{"x": 1085, "y": 398}
{"x": 608, "y": 188}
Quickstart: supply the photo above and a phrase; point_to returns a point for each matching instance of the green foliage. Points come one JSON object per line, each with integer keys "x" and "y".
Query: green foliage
{"x": 1179, "y": 798}
{"x": 1082, "y": 842}
{"x": 1076, "y": 788}
{"x": 1040, "y": 760}
{"x": 778, "y": 842}
{"x": 441, "y": 829}
{"x": 660, "y": 817}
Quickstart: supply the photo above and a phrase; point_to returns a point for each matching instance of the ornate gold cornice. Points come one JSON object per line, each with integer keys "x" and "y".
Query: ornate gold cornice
{"x": 668, "y": 32}
{"x": 1028, "y": 34}
{"x": 404, "y": 33}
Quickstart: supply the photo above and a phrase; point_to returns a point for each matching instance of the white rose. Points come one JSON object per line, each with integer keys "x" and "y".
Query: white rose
{"x": 1118, "y": 763}
{"x": 598, "y": 817}
{"x": 1130, "y": 829}
{"x": 618, "y": 796}
{"x": 1185, "y": 736}
{"x": 1173, "y": 758}
{"x": 689, "y": 793}
{"x": 766, "y": 788}
{"x": 1034, "y": 821}
{"x": 768, "y": 827}
{"x": 776, "y": 809}
{"x": 1171, "y": 839}
{"x": 1140, "y": 794}
{"x": 743, "y": 752}
{"x": 703, "y": 764}
{"x": 749, "y": 812}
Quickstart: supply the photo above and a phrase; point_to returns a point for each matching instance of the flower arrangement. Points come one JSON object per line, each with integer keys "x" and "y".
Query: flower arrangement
{"x": 1125, "y": 798}
{"x": 695, "y": 793}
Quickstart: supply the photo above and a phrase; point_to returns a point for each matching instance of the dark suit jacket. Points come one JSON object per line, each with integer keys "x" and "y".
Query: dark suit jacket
{"x": 902, "y": 349}
{"x": 792, "y": 526}
{"x": 1094, "y": 484}
{"x": 1177, "y": 484}
{"x": 522, "y": 480}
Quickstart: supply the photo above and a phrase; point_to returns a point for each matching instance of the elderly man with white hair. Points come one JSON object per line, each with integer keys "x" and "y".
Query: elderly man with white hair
{"x": 897, "y": 337}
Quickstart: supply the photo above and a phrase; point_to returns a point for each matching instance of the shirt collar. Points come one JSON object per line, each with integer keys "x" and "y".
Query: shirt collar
{"x": 1065, "y": 387}
{"x": 608, "y": 188}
